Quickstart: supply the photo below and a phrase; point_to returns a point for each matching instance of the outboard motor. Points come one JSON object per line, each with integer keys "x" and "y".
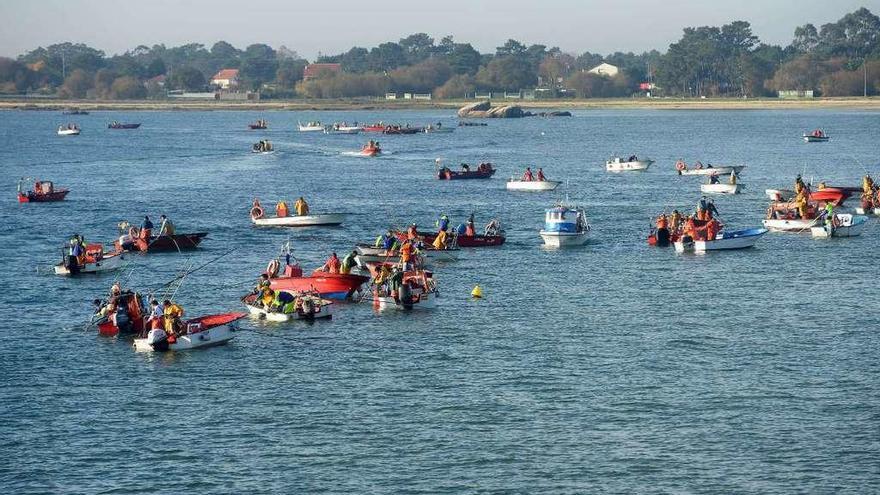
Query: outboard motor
{"x": 308, "y": 308}
{"x": 406, "y": 296}
{"x": 662, "y": 237}
{"x": 158, "y": 340}
{"x": 123, "y": 322}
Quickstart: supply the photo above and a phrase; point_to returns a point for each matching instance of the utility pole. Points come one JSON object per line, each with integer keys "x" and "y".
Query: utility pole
{"x": 865, "y": 68}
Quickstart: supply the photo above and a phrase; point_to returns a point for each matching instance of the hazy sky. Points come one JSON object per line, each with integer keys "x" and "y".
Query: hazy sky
{"x": 332, "y": 26}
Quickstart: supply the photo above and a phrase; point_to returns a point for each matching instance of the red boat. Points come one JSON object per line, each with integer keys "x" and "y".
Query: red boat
{"x": 129, "y": 303}
{"x": 44, "y": 191}
{"x": 478, "y": 240}
{"x": 368, "y": 150}
{"x": 330, "y": 285}
{"x": 176, "y": 242}
{"x": 833, "y": 195}
{"x": 374, "y": 128}
{"x": 483, "y": 171}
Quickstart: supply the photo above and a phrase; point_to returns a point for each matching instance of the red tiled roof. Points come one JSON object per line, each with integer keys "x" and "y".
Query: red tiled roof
{"x": 225, "y": 74}
{"x": 313, "y": 70}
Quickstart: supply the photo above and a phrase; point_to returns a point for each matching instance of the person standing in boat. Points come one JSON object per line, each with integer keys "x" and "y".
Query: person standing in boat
{"x": 332, "y": 264}
{"x": 527, "y": 176}
{"x": 165, "y": 227}
{"x": 541, "y": 177}
{"x": 156, "y": 320}
{"x": 146, "y": 228}
{"x": 469, "y": 229}
{"x": 443, "y": 223}
{"x": 412, "y": 232}
{"x": 301, "y": 207}
{"x": 348, "y": 263}
{"x": 406, "y": 253}
{"x": 172, "y": 312}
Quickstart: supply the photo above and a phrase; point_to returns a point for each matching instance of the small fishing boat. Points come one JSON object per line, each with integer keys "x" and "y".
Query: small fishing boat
{"x": 201, "y": 332}
{"x": 725, "y": 240}
{"x": 438, "y": 129}
{"x": 263, "y": 147}
{"x": 633, "y": 163}
{"x": 370, "y": 149}
{"x": 329, "y": 285}
{"x": 472, "y": 124}
{"x": 380, "y": 127}
{"x": 127, "y": 316}
{"x": 817, "y": 136}
{"x": 483, "y": 171}
{"x": 844, "y": 225}
{"x": 176, "y": 242}
{"x": 468, "y": 241}
{"x": 683, "y": 169}
{"x": 371, "y": 255}
{"x": 721, "y": 188}
{"x": 311, "y": 127}
{"x": 70, "y": 130}
{"x": 298, "y": 220}
{"x": 410, "y": 290}
{"x": 565, "y": 226}
{"x": 402, "y": 130}
{"x": 43, "y": 192}
{"x": 95, "y": 260}
{"x": 341, "y": 129}
{"x": 259, "y": 125}
{"x": 833, "y": 195}
{"x": 300, "y": 306}
{"x": 517, "y": 184}
{"x": 119, "y": 125}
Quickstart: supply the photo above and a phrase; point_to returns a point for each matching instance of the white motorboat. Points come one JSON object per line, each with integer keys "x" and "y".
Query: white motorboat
{"x": 617, "y": 164}
{"x": 712, "y": 170}
{"x": 515, "y": 184}
{"x": 845, "y": 225}
{"x": 338, "y": 129}
{"x": 300, "y": 220}
{"x": 311, "y": 127}
{"x": 817, "y": 136}
{"x": 432, "y": 129}
{"x": 798, "y": 225}
{"x": 721, "y": 188}
{"x": 68, "y": 131}
{"x": 307, "y": 308}
{"x": 779, "y": 194}
{"x": 94, "y": 264}
{"x": 565, "y": 226}
{"x": 207, "y": 331}
{"x": 725, "y": 240}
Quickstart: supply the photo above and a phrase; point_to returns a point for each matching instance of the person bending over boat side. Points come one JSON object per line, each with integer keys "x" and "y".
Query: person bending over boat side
{"x": 440, "y": 242}
{"x": 348, "y": 263}
{"x": 301, "y": 207}
{"x": 332, "y": 264}
{"x": 541, "y": 177}
{"x": 465, "y": 167}
{"x": 527, "y": 175}
{"x": 166, "y": 227}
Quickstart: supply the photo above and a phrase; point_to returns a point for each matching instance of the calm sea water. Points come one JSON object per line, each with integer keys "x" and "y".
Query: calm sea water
{"x": 615, "y": 367}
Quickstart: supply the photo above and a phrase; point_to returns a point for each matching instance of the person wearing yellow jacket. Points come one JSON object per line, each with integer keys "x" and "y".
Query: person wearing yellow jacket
{"x": 173, "y": 313}
{"x": 801, "y": 202}
{"x": 440, "y": 240}
{"x": 301, "y": 207}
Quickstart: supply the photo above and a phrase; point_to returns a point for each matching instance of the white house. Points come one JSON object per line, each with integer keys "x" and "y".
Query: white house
{"x": 605, "y": 69}
{"x": 226, "y": 78}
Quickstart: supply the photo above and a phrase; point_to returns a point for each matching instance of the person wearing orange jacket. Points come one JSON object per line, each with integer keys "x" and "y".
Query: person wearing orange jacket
{"x": 332, "y": 264}
{"x": 406, "y": 254}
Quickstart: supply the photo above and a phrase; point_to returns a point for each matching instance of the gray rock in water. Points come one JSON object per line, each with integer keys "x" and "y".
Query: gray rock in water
{"x": 474, "y": 108}
{"x": 484, "y": 110}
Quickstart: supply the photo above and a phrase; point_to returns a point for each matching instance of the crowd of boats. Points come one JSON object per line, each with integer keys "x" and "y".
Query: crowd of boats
{"x": 397, "y": 269}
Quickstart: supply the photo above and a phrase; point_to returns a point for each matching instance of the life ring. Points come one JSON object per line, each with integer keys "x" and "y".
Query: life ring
{"x": 272, "y": 268}
{"x": 679, "y": 165}
{"x": 256, "y": 212}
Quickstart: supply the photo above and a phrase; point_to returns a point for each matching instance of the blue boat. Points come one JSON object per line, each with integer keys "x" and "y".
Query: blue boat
{"x": 565, "y": 226}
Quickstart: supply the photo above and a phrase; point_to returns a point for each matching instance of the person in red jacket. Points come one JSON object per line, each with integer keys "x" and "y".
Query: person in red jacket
{"x": 332, "y": 264}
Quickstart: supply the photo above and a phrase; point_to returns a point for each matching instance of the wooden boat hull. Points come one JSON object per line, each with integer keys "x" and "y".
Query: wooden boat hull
{"x": 300, "y": 220}
{"x": 634, "y": 166}
{"x": 32, "y": 197}
{"x": 564, "y": 239}
{"x": 713, "y": 170}
{"x": 532, "y": 185}
{"x": 176, "y": 242}
{"x": 453, "y": 175}
{"x": 403, "y": 130}
{"x": 740, "y": 239}
{"x": 108, "y": 263}
{"x": 721, "y": 188}
{"x": 849, "y": 226}
{"x": 329, "y": 285}
{"x": 206, "y": 331}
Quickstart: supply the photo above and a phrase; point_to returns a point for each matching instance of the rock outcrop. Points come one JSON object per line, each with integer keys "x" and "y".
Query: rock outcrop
{"x": 484, "y": 110}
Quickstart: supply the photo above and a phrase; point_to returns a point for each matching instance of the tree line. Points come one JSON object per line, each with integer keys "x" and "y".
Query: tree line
{"x": 730, "y": 61}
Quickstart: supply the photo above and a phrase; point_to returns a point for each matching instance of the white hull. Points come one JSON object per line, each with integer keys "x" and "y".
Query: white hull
{"x": 815, "y": 139}
{"x": 713, "y": 170}
{"x": 798, "y": 225}
{"x": 850, "y": 226}
{"x": 343, "y": 130}
{"x": 532, "y": 185}
{"x": 206, "y": 338}
{"x": 311, "y": 128}
{"x": 636, "y": 166}
{"x": 719, "y": 244}
{"x": 426, "y": 301}
{"x": 68, "y": 132}
{"x": 721, "y": 188}
{"x": 325, "y": 311}
{"x": 262, "y": 152}
{"x": 557, "y": 239}
{"x": 301, "y": 221}
{"x": 107, "y": 264}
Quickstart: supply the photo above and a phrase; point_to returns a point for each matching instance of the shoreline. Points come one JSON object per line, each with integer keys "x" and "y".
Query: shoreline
{"x": 851, "y": 103}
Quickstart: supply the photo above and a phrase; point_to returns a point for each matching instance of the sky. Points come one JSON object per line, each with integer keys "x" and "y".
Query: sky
{"x": 328, "y": 27}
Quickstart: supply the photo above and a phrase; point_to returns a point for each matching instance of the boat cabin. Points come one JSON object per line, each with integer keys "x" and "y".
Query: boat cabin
{"x": 564, "y": 219}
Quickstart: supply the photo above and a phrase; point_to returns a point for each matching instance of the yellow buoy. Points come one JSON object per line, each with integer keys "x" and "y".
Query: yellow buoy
{"x": 477, "y": 292}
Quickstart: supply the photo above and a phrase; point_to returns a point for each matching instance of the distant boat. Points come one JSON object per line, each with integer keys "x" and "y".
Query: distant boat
{"x": 311, "y": 127}
{"x": 738, "y": 239}
{"x": 710, "y": 170}
{"x": 75, "y": 111}
{"x": 633, "y": 163}
{"x": 68, "y": 131}
{"x": 117, "y": 125}
{"x": 565, "y": 226}
{"x": 515, "y": 184}
{"x": 817, "y": 136}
